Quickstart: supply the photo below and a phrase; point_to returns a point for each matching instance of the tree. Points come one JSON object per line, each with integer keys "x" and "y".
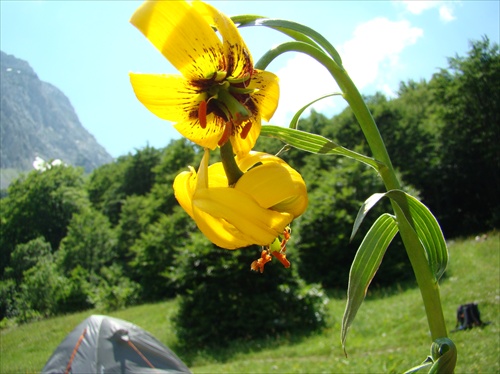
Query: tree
{"x": 25, "y": 256}
{"x": 225, "y": 301}
{"x": 139, "y": 176}
{"x": 105, "y": 188}
{"x": 40, "y": 204}
{"x": 154, "y": 251}
{"x": 469, "y": 94}
{"x": 90, "y": 243}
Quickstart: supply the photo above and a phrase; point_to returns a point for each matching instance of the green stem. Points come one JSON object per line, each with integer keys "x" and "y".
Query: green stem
{"x": 425, "y": 278}
{"x": 231, "y": 168}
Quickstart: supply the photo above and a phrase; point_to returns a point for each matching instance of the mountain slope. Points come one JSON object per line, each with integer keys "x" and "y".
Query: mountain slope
{"x": 37, "y": 119}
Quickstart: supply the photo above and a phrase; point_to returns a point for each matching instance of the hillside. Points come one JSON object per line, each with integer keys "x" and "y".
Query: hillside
{"x": 37, "y": 119}
{"x": 390, "y": 334}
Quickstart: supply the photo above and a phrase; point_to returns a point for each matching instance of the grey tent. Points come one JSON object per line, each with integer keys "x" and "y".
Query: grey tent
{"x": 102, "y": 344}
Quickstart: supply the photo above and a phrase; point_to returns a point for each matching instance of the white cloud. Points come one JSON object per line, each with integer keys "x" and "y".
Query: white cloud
{"x": 370, "y": 57}
{"x": 376, "y": 45}
{"x": 416, "y": 7}
{"x": 303, "y": 80}
{"x": 446, "y": 13}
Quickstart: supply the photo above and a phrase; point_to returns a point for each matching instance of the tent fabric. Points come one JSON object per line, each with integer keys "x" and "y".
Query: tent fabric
{"x": 102, "y": 344}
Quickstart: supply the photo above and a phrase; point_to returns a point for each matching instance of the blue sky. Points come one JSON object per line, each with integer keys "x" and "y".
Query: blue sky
{"x": 87, "y": 49}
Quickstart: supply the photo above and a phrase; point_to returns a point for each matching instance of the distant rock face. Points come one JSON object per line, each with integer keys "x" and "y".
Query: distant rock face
{"x": 37, "y": 119}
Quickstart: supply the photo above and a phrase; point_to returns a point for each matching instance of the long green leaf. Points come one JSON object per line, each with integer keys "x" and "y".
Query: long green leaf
{"x": 363, "y": 211}
{"x": 366, "y": 263}
{"x": 428, "y": 231}
{"x": 314, "y": 143}
{"x": 295, "y": 120}
{"x": 250, "y": 20}
{"x": 425, "y": 224}
{"x": 293, "y": 29}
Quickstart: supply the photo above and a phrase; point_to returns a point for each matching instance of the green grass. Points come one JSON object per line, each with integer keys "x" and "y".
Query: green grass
{"x": 389, "y": 335}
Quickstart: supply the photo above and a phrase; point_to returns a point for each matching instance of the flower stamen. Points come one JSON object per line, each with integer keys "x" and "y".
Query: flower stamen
{"x": 228, "y": 129}
{"x": 202, "y": 114}
{"x": 276, "y": 249}
{"x": 258, "y": 265}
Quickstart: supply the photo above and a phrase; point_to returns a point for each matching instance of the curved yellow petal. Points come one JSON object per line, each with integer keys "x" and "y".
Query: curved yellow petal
{"x": 202, "y": 180}
{"x": 272, "y": 184}
{"x": 170, "y": 97}
{"x": 173, "y": 98}
{"x": 207, "y": 137}
{"x": 267, "y": 93}
{"x": 238, "y": 56}
{"x": 220, "y": 232}
{"x": 182, "y": 35}
{"x": 184, "y": 187}
{"x": 244, "y": 146}
{"x": 262, "y": 225}
{"x": 217, "y": 175}
{"x": 249, "y": 160}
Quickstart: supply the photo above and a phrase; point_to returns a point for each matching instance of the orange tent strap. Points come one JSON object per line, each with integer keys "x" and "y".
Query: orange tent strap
{"x": 139, "y": 353}
{"x": 73, "y": 354}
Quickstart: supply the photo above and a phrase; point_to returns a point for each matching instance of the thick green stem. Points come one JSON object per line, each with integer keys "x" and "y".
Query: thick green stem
{"x": 232, "y": 170}
{"x": 425, "y": 278}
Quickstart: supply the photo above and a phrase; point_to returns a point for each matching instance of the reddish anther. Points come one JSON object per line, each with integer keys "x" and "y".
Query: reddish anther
{"x": 228, "y": 129}
{"x": 245, "y": 130}
{"x": 282, "y": 258}
{"x": 202, "y": 114}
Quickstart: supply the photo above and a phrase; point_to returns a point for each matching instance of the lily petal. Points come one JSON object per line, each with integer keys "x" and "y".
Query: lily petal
{"x": 218, "y": 176}
{"x": 248, "y": 161}
{"x": 239, "y": 59}
{"x": 275, "y": 185}
{"x": 182, "y": 35}
{"x": 184, "y": 186}
{"x": 173, "y": 98}
{"x": 267, "y": 92}
{"x": 207, "y": 137}
{"x": 243, "y": 146}
{"x": 263, "y": 225}
{"x": 220, "y": 232}
{"x": 170, "y": 97}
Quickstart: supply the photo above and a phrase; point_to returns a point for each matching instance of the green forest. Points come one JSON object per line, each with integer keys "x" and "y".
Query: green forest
{"x": 117, "y": 237}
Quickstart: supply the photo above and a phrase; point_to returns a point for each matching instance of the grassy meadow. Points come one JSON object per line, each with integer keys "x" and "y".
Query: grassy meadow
{"x": 389, "y": 335}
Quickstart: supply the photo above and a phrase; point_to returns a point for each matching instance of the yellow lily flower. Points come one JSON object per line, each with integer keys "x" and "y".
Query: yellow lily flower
{"x": 219, "y": 96}
{"x": 256, "y": 210}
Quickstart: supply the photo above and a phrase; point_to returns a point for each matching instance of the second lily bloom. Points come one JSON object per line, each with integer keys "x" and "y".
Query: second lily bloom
{"x": 256, "y": 210}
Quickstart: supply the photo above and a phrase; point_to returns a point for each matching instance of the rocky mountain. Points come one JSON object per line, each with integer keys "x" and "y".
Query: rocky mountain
{"x": 37, "y": 120}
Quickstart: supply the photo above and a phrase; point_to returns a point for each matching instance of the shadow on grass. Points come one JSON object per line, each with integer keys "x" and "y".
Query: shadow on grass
{"x": 375, "y": 291}
{"x": 228, "y": 350}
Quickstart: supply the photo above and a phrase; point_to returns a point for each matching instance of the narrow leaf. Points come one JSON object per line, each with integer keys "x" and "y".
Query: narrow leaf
{"x": 366, "y": 263}
{"x": 293, "y": 29}
{"x": 425, "y": 224}
{"x": 295, "y": 120}
{"x": 315, "y": 143}
{"x": 427, "y": 362}
{"x": 367, "y": 205}
{"x": 428, "y": 231}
